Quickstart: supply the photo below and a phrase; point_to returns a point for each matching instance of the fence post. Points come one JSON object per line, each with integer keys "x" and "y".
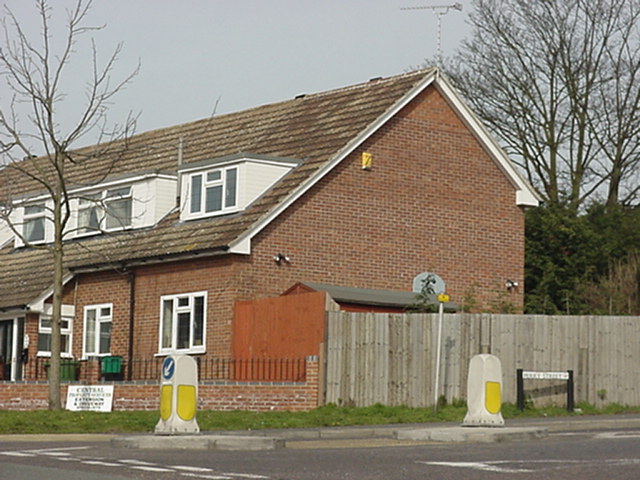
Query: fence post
{"x": 570, "y": 391}
{"x": 520, "y": 389}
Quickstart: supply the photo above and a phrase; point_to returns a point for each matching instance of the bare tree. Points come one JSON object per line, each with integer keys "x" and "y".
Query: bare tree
{"x": 36, "y": 150}
{"x": 558, "y": 82}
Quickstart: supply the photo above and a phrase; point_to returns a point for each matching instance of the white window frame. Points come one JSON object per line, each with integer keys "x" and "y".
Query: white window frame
{"x": 65, "y": 331}
{"x": 197, "y": 201}
{"x": 182, "y": 304}
{"x": 100, "y": 319}
{"x": 100, "y": 205}
{"x": 30, "y": 219}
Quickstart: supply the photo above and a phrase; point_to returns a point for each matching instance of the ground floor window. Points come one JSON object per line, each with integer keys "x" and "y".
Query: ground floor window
{"x": 97, "y": 329}
{"x": 44, "y": 336}
{"x": 182, "y": 322}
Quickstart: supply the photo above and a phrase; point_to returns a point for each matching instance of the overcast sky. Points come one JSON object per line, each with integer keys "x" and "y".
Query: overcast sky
{"x": 244, "y": 53}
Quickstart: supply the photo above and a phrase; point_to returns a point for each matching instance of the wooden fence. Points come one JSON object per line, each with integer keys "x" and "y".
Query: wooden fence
{"x": 390, "y": 358}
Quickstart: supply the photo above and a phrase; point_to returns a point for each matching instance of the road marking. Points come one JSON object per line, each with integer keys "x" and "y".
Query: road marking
{"x": 63, "y": 455}
{"x": 531, "y": 465}
{"x": 18, "y": 454}
{"x": 482, "y": 466}
{"x": 207, "y": 477}
{"x": 616, "y": 435}
{"x": 135, "y": 462}
{"x": 102, "y": 463}
{"x": 151, "y": 469}
{"x": 60, "y": 449}
{"x": 245, "y": 475}
{"x": 191, "y": 469}
{"x": 53, "y": 452}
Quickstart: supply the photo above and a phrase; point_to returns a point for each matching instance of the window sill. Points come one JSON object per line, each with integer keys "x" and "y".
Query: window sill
{"x": 195, "y": 351}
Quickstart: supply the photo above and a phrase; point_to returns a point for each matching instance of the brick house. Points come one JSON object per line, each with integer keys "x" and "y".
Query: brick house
{"x": 365, "y": 186}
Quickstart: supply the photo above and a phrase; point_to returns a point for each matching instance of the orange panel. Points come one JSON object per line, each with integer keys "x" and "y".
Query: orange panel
{"x": 289, "y": 326}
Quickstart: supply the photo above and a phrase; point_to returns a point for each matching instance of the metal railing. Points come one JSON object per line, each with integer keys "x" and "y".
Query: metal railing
{"x": 149, "y": 368}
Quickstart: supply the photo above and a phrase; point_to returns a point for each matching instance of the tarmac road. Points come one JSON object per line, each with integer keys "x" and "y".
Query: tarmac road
{"x": 575, "y": 447}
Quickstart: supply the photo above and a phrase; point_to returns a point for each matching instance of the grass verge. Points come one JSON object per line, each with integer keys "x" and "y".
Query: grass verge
{"x": 44, "y": 421}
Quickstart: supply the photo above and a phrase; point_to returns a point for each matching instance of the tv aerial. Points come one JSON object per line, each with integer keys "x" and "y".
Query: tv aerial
{"x": 439, "y": 11}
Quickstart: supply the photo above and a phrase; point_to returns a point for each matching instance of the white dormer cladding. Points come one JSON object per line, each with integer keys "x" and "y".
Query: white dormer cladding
{"x": 130, "y": 202}
{"x": 5, "y": 233}
{"x": 228, "y": 184}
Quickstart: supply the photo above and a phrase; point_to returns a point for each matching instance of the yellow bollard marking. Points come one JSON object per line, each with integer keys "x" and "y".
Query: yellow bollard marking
{"x": 186, "y": 402}
{"x": 492, "y": 397}
{"x": 166, "y": 392}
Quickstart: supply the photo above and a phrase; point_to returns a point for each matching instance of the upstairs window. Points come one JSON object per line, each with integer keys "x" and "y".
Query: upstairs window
{"x": 105, "y": 211}
{"x": 89, "y": 214}
{"x": 33, "y": 226}
{"x": 214, "y": 191}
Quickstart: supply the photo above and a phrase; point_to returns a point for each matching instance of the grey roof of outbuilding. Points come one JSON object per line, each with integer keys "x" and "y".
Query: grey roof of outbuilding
{"x": 366, "y": 296}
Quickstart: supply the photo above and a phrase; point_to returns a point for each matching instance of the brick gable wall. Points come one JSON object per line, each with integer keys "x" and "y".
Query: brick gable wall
{"x": 433, "y": 201}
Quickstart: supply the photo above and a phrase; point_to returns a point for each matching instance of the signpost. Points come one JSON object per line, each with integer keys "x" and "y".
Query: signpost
{"x": 522, "y": 375}
{"x": 442, "y": 299}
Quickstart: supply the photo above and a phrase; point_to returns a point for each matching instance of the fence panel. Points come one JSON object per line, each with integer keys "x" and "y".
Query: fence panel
{"x": 390, "y": 359}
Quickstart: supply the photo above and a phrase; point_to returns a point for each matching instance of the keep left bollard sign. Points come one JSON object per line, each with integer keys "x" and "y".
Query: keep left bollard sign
{"x": 178, "y": 396}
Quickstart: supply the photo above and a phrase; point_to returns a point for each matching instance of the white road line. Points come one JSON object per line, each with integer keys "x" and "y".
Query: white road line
{"x": 191, "y": 469}
{"x": 61, "y": 449}
{"x": 245, "y": 475}
{"x": 18, "y": 454}
{"x": 616, "y": 435}
{"x": 151, "y": 469}
{"x": 207, "y": 477}
{"x": 485, "y": 467}
{"x": 102, "y": 463}
{"x": 135, "y": 462}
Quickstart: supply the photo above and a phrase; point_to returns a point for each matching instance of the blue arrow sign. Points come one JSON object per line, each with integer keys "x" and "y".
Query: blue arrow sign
{"x": 168, "y": 368}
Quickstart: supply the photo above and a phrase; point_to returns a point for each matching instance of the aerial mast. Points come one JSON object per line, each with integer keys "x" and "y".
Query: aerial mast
{"x": 439, "y": 11}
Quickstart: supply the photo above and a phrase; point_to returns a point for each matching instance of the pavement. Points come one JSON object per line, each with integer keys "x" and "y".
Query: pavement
{"x": 339, "y": 437}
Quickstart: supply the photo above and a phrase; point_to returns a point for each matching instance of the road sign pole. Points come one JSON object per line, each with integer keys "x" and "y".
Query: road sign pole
{"x": 441, "y": 299}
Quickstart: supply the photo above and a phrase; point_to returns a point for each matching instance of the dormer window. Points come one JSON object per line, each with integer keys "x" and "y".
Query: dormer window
{"x": 118, "y": 208}
{"x": 228, "y": 184}
{"x": 214, "y": 191}
{"x": 105, "y": 211}
{"x": 33, "y": 226}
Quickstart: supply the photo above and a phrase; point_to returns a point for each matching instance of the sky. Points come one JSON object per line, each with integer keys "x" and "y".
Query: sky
{"x": 204, "y": 57}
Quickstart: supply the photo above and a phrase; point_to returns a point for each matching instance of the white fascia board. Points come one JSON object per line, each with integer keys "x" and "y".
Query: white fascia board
{"x": 243, "y": 244}
{"x": 525, "y": 195}
{"x": 124, "y": 180}
{"x": 38, "y": 305}
{"x": 238, "y": 158}
{"x": 128, "y": 180}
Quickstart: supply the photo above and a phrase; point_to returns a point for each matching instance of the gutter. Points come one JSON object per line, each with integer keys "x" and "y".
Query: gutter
{"x": 151, "y": 260}
{"x": 24, "y": 307}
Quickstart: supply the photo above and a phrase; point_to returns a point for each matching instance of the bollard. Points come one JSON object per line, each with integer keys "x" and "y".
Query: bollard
{"x": 484, "y": 391}
{"x": 178, "y": 396}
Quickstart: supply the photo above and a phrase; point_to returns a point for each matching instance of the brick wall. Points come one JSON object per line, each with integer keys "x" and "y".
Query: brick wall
{"x": 433, "y": 201}
{"x": 254, "y": 396}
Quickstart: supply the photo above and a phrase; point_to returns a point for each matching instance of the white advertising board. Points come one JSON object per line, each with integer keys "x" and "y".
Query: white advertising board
{"x": 95, "y": 398}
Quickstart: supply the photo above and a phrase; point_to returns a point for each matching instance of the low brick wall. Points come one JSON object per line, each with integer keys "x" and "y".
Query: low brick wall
{"x": 220, "y": 395}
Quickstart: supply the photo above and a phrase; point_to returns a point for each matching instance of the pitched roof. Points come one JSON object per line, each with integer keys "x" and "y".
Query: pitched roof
{"x": 367, "y": 296}
{"x": 319, "y": 129}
